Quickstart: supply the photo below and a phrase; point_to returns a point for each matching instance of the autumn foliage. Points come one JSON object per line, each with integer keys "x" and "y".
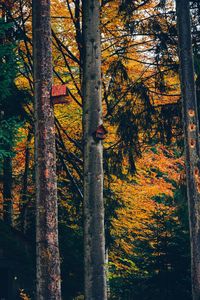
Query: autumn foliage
{"x": 146, "y": 221}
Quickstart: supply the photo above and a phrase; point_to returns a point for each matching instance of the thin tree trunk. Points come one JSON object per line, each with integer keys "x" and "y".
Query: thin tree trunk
{"x": 7, "y": 191}
{"x": 47, "y": 251}
{"x": 94, "y": 240}
{"x": 107, "y": 273}
{"x": 24, "y": 203}
{"x": 191, "y": 130}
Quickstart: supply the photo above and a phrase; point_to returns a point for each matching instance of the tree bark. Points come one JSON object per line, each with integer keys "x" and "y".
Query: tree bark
{"x": 94, "y": 240}
{"x": 191, "y": 131}
{"x": 7, "y": 191}
{"x": 48, "y": 284}
{"x": 24, "y": 202}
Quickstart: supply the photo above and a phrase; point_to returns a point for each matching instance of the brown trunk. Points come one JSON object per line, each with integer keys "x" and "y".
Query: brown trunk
{"x": 94, "y": 241}
{"x": 7, "y": 191}
{"x": 24, "y": 202}
{"x": 47, "y": 251}
{"x": 191, "y": 130}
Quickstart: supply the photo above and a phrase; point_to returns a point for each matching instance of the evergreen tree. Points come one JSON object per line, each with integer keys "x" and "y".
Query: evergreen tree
{"x": 161, "y": 255}
{"x": 8, "y": 123}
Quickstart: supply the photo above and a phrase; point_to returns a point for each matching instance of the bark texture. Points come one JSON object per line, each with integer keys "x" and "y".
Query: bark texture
{"x": 191, "y": 131}
{"x": 24, "y": 198}
{"x": 7, "y": 191}
{"x": 94, "y": 241}
{"x": 47, "y": 251}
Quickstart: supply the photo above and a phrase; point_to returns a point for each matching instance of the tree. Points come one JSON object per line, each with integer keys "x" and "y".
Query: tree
{"x": 47, "y": 251}
{"x": 158, "y": 262}
{"x": 8, "y": 126}
{"x": 191, "y": 131}
{"x": 94, "y": 240}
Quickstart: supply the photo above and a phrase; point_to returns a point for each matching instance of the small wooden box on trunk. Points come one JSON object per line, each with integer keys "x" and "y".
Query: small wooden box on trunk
{"x": 59, "y": 93}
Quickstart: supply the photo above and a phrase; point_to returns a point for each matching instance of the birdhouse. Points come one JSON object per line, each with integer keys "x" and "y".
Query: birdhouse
{"x": 59, "y": 93}
{"x": 100, "y": 133}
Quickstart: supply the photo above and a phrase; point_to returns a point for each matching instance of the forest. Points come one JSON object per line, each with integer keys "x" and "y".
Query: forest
{"x": 99, "y": 150}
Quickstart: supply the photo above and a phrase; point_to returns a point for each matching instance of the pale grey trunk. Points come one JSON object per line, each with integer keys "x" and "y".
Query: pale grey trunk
{"x": 94, "y": 240}
{"x": 191, "y": 130}
{"x": 47, "y": 251}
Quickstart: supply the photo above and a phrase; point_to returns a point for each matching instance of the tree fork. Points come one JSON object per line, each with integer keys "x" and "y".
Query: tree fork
{"x": 191, "y": 131}
{"x": 94, "y": 240}
{"x": 47, "y": 251}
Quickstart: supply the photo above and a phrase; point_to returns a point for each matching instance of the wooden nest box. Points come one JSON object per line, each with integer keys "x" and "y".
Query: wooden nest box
{"x": 59, "y": 94}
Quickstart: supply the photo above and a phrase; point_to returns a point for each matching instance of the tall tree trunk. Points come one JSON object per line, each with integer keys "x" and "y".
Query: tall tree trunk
{"x": 7, "y": 191}
{"x": 94, "y": 240}
{"x": 191, "y": 130}
{"x": 7, "y": 163}
{"x": 47, "y": 251}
